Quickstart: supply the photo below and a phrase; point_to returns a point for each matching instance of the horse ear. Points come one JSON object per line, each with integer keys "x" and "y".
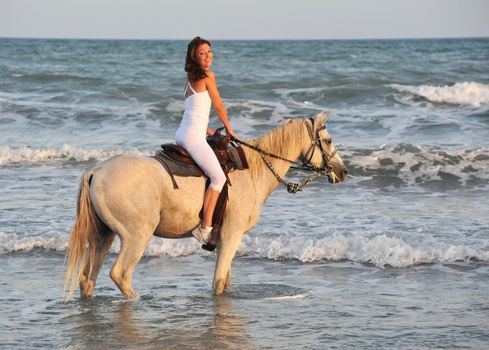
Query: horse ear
{"x": 321, "y": 118}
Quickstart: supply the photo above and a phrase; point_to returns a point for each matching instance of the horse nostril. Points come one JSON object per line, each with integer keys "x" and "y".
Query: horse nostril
{"x": 344, "y": 173}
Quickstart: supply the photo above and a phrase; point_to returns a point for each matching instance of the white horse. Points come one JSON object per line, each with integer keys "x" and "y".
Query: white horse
{"x": 133, "y": 197}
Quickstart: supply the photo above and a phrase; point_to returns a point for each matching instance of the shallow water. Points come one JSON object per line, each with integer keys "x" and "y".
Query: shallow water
{"x": 273, "y": 304}
{"x": 396, "y": 257}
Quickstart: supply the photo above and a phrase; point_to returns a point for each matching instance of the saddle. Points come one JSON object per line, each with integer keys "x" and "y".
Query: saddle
{"x": 177, "y": 162}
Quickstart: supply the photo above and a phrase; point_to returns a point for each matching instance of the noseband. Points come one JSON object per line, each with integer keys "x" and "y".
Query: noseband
{"x": 326, "y": 169}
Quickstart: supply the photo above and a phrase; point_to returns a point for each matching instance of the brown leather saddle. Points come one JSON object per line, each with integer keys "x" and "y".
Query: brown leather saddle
{"x": 177, "y": 162}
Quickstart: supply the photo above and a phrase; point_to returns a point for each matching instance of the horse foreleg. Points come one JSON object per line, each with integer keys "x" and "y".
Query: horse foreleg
{"x": 102, "y": 247}
{"x": 222, "y": 274}
{"x": 131, "y": 252}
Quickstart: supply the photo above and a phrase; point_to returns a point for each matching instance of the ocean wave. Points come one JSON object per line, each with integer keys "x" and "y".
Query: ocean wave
{"x": 11, "y": 156}
{"x": 465, "y": 93}
{"x": 380, "y": 250}
{"x": 11, "y": 242}
{"x": 412, "y": 165}
{"x": 56, "y": 241}
{"x": 399, "y": 165}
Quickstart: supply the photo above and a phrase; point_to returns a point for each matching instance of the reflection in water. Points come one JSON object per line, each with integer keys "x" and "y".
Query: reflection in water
{"x": 206, "y": 323}
{"x": 103, "y": 323}
{"x": 129, "y": 329}
{"x": 229, "y": 329}
{"x": 174, "y": 323}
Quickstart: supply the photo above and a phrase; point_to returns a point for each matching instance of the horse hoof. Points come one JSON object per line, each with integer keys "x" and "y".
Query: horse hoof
{"x": 131, "y": 297}
{"x": 86, "y": 290}
{"x": 218, "y": 287}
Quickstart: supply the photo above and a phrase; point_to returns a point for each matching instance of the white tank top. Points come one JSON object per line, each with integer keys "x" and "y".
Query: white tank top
{"x": 197, "y": 110}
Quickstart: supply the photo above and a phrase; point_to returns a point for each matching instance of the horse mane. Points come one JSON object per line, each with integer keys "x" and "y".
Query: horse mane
{"x": 278, "y": 141}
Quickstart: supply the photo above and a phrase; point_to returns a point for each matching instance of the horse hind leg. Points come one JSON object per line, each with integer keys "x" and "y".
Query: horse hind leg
{"x": 102, "y": 247}
{"x": 132, "y": 249}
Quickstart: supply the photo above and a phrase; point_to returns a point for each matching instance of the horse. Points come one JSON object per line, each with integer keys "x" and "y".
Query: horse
{"x": 133, "y": 197}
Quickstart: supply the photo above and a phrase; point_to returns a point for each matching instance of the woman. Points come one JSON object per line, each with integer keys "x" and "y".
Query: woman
{"x": 200, "y": 92}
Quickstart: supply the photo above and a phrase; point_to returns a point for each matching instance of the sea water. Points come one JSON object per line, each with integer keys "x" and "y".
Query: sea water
{"x": 395, "y": 257}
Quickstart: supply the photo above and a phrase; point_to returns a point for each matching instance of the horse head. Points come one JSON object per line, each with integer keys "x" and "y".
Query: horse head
{"x": 319, "y": 150}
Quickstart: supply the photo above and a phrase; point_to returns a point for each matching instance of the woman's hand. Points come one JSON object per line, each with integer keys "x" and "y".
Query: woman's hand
{"x": 231, "y": 133}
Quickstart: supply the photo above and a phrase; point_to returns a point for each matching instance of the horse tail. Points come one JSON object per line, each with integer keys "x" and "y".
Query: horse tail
{"x": 85, "y": 231}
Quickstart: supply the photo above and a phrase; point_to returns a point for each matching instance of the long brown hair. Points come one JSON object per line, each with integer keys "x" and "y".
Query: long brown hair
{"x": 193, "y": 69}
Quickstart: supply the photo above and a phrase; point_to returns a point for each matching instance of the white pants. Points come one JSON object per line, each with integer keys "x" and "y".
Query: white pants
{"x": 203, "y": 155}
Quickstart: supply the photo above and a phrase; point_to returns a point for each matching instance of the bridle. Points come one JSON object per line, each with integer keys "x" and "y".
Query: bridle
{"x": 316, "y": 141}
{"x": 325, "y": 170}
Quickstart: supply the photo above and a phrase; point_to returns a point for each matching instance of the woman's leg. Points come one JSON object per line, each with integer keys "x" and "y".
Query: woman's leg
{"x": 205, "y": 157}
{"x": 210, "y": 201}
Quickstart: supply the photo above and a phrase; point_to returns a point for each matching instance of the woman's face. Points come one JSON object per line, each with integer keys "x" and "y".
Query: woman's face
{"x": 203, "y": 56}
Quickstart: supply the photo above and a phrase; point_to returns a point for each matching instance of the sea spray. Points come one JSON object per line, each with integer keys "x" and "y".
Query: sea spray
{"x": 380, "y": 250}
{"x": 34, "y": 155}
{"x": 464, "y": 93}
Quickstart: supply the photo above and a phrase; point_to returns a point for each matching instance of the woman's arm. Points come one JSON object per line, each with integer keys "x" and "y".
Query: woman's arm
{"x": 210, "y": 82}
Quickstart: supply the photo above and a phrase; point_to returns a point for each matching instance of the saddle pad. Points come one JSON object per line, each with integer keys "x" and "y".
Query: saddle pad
{"x": 177, "y": 153}
{"x": 175, "y": 167}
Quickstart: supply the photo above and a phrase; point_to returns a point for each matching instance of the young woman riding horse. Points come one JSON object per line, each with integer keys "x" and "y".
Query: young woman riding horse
{"x": 133, "y": 198}
{"x": 200, "y": 92}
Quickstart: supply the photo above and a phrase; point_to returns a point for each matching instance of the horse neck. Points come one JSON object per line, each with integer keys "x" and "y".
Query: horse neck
{"x": 286, "y": 141}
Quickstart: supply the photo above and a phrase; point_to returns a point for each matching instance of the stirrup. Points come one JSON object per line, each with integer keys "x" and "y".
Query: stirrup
{"x": 202, "y": 234}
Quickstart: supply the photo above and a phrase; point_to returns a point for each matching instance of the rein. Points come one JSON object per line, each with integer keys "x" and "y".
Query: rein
{"x": 292, "y": 187}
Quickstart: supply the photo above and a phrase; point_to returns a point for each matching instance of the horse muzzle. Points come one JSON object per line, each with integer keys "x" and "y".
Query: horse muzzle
{"x": 333, "y": 178}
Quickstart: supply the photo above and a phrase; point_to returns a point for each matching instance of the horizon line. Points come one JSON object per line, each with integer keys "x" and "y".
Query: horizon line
{"x": 249, "y": 39}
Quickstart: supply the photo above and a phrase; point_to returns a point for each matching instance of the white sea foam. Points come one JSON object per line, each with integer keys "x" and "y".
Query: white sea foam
{"x": 415, "y": 164}
{"x": 173, "y": 247}
{"x": 176, "y": 106}
{"x": 288, "y": 95}
{"x": 253, "y": 107}
{"x": 380, "y": 250}
{"x": 11, "y": 242}
{"x": 465, "y": 93}
{"x": 9, "y": 155}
